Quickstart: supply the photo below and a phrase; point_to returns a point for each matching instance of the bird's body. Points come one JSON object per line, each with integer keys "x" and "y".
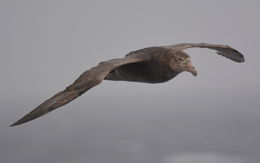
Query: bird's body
{"x": 156, "y": 70}
{"x": 148, "y": 65}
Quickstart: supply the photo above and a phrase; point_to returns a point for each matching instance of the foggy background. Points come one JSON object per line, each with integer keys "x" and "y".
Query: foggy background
{"x": 211, "y": 118}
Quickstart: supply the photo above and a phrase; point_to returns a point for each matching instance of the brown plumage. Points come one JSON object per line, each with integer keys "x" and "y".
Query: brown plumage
{"x": 148, "y": 65}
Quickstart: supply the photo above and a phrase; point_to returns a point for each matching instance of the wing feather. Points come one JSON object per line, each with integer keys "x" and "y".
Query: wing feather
{"x": 86, "y": 81}
{"x": 223, "y": 50}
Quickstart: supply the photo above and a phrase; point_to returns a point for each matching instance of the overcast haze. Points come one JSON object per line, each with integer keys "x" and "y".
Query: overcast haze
{"x": 211, "y": 118}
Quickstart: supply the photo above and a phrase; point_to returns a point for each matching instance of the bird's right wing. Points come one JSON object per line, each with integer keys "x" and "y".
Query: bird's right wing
{"x": 223, "y": 50}
{"x": 86, "y": 81}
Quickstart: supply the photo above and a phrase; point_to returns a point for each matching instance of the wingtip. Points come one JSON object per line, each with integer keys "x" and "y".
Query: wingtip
{"x": 19, "y": 122}
{"x": 241, "y": 56}
{"x": 240, "y": 60}
{"x": 15, "y": 124}
{"x": 238, "y": 57}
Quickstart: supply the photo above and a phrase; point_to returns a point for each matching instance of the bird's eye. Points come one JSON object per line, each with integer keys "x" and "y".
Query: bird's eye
{"x": 181, "y": 59}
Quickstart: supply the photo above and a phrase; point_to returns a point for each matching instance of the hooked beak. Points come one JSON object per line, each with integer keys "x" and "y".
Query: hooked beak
{"x": 191, "y": 69}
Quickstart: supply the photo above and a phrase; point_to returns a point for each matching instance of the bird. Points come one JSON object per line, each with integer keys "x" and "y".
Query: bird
{"x": 155, "y": 64}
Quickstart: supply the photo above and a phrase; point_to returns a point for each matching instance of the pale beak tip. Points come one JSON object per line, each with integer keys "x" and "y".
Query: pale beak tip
{"x": 194, "y": 73}
{"x": 191, "y": 69}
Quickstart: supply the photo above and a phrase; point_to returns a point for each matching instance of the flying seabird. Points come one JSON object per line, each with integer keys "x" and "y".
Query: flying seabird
{"x": 149, "y": 65}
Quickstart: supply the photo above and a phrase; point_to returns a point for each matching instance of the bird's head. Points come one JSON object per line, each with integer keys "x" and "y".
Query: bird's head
{"x": 182, "y": 62}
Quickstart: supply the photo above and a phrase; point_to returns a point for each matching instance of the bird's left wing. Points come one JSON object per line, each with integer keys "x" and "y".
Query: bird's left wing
{"x": 86, "y": 81}
{"x": 223, "y": 50}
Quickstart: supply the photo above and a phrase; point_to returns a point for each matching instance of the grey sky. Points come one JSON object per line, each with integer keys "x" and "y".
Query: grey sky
{"x": 46, "y": 45}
